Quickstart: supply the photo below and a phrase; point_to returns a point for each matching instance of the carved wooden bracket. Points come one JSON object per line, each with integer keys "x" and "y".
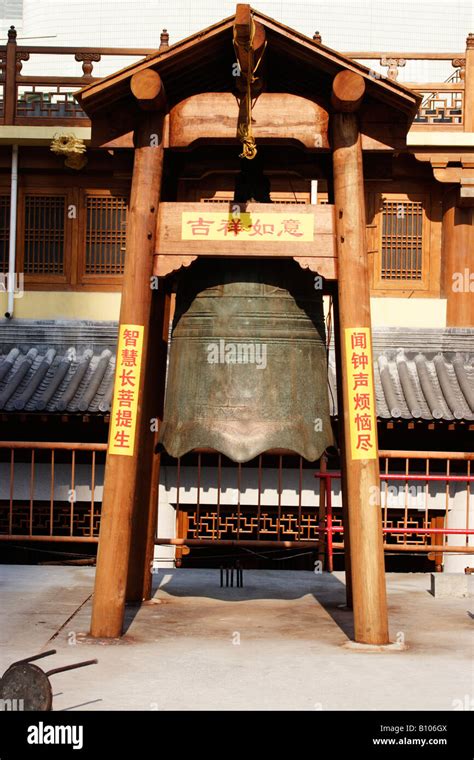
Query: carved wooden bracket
{"x": 393, "y": 65}
{"x": 20, "y": 57}
{"x": 326, "y": 267}
{"x": 88, "y": 60}
{"x": 460, "y": 63}
{"x": 164, "y": 264}
{"x": 449, "y": 167}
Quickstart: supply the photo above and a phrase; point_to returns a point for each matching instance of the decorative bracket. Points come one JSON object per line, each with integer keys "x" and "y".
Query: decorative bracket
{"x": 393, "y": 65}
{"x": 460, "y": 63}
{"x": 88, "y": 60}
{"x": 21, "y": 56}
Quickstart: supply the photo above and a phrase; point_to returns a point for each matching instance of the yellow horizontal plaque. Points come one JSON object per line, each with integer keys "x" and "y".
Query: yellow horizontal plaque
{"x": 123, "y": 420}
{"x": 359, "y": 369}
{"x": 246, "y": 226}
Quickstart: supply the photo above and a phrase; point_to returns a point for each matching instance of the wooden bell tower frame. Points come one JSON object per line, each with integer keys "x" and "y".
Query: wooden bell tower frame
{"x": 128, "y": 521}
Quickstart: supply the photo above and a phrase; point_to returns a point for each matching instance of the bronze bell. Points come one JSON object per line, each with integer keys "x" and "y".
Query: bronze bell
{"x": 247, "y": 369}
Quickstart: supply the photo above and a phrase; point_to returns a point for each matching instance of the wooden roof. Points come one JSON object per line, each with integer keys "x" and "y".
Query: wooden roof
{"x": 293, "y": 63}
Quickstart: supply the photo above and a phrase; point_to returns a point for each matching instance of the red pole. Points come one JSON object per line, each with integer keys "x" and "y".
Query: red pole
{"x": 329, "y": 521}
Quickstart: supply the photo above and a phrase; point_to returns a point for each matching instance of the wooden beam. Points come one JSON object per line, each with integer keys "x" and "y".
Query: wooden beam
{"x": 147, "y": 88}
{"x": 318, "y": 254}
{"x": 122, "y": 473}
{"x": 249, "y": 38}
{"x": 347, "y": 91}
{"x": 276, "y": 118}
{"x": 361, "y": 475}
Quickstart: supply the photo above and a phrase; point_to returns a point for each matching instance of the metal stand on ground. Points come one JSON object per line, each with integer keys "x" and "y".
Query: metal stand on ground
{"x": 229, "y": 575}
{"x": 27, "y": 685}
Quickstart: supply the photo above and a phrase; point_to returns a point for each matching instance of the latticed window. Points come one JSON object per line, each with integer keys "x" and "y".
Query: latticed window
{"x": 44, "y": 233}
{"x": 4, "y": 231}
{"x": 402, "y": 240}
{"x": 106, "y": 219}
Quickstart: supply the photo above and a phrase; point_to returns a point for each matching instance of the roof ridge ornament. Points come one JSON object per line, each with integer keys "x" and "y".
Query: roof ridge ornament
{"x": 164, "y": 40}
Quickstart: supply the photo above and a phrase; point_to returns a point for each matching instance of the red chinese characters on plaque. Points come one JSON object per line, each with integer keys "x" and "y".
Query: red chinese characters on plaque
{"x": 363, "y": 423}
{"x": 265, "y": 226}
{"x": 127, "y": 381}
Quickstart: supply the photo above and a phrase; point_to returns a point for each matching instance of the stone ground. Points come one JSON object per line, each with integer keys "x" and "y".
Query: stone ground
{"x": 278, "y": 643}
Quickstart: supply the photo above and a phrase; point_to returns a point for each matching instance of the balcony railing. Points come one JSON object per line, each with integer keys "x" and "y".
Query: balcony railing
{"x": 41, "y": 100}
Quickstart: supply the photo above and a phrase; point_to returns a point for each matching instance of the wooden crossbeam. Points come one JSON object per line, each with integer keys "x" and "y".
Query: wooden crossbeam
{"x": 147, "y": 87}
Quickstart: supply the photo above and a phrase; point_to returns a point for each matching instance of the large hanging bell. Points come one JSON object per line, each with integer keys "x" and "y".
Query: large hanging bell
{"x": 248, "y": 369}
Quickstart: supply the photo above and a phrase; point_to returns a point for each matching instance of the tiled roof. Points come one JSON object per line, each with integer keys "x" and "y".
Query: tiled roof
{"x": 63, "y": 367}
{"x": 68, "y": 367}
{"x": 425, "y": 374}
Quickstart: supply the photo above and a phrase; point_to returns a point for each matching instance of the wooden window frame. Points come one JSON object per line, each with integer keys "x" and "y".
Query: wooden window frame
{"x": 110, "y": 282}
{"x": 429, "y": 284}
{"x": 70, "y": 230}
{"x": 74, "y": 277}
{"x": 403, "y": 284}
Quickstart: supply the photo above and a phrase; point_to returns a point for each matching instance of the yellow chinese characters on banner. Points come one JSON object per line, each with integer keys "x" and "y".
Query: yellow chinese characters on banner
{"x": 246, "y": 226}
{"x": 363, "y": 424}
{"x": 127, "y": 381}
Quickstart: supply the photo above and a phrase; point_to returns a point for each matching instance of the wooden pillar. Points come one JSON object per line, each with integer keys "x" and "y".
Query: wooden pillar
{"x": 361, "y": 474}
{"x": 458, "y": 244}
{"x": 123, "y": 471}
{"x": 469, "y": 85}
{"x": 139, "y": 583}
